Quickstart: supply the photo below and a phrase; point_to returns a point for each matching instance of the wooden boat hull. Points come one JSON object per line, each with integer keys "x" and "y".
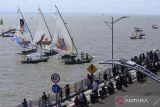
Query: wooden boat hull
{"x": 137, "y": 38}
{"x": 68, "y": 56}
{"x": 78, "y": 61}
{"x": 35, "y": 61}
{"x": 50, "y": 53}
{"x": 7, "y": 35}
{"x": 29, "y": 51}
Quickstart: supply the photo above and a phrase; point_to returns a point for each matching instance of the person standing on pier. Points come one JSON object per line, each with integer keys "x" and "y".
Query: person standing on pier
{"x": 67, "y": 91}
{"x": 95, "y": 89}
{"x": 90, "y": 78}
{"x": 105, "y": 77}
{"x": 44, "y": 99}
{"x": 24, "y": 103}
{"x": 61, "y": 94}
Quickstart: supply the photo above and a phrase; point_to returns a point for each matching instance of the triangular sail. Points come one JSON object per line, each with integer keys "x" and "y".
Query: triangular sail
{"x": 42, "y": 37}
{"x": 22, "y": 36}
{"x": 62, "y": 38}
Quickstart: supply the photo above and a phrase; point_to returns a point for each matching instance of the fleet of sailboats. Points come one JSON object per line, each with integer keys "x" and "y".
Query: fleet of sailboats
{"x": 42, "y": 45}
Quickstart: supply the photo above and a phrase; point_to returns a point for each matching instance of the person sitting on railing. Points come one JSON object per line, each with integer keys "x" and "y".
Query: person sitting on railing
{"x": 77, "y": 101}
{"x": 103, "y": 93}
{"x": 110, "y": 88}
{"x": 104, "y": 90}
{"x": 82, "y": 99}
{"x": 95, "y": 88}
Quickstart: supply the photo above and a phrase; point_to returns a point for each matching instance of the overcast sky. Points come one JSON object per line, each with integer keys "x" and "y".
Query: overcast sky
{"x": 84, "y": 6}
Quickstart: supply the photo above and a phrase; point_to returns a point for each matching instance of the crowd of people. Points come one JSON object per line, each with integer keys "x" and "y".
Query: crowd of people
{"x": 85, "y": 56}
{"x": 150, "y": 61}
{"x": 120, "y": 80}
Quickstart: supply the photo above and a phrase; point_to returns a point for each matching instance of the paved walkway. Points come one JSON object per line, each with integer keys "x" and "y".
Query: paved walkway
{"x": 148, "y": 88}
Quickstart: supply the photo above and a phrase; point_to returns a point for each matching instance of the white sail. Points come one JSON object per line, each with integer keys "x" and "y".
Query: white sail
{"x": 22, "y": 36}
{"x": 62, "y": 38}
{"x": 42, "y": 37}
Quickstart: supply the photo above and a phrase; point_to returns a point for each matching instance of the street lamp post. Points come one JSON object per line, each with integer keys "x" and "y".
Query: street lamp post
{"x": 111, "y": 27}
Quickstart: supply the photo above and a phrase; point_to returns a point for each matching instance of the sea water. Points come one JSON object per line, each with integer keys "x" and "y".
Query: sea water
{"x": 90, "y": 34}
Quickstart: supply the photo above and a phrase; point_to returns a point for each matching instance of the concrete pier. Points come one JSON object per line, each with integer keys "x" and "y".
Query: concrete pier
{"x": 147, "y": 87}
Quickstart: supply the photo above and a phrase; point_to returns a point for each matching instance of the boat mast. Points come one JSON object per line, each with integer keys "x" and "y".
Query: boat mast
{"x": 45, "y": 23}
{"x": 66, "y": 28}
{"x": 25, "y": 23}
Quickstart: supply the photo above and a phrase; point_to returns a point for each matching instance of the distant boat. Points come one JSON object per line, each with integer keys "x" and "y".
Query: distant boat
{"x": 8, "y": 33}
{"x": 64, "y": 43}
{"x": 23, "y": 37}
{"x": 155, "y": 26}
{"x": 138, "y": 34}
{"x": 78, "y": 61}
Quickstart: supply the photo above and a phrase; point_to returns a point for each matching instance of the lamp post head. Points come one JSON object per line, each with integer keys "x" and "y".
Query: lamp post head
{"x": 121, "y": 18}
{"x": 124, "y": 17}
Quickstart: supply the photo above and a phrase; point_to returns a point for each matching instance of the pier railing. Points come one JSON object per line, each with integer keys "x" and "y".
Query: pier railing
{"x": 74, "y": 89}
{"x": 144, "y": 59}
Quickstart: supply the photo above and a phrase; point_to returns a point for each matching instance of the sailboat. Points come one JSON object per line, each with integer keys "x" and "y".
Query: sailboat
{"x": 6, "y": 32}
{"x": 43, "y": 37}
{"x": 23, "y": 37}
{"x": 43, "y": 41}
{"x": 154, "y": 26}
{"x": 64, "y": 43}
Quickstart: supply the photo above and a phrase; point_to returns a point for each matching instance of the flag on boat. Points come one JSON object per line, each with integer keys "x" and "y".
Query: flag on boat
{"x": 22, "y": 36}
{"x": 23, "y": 27}
{"x": 1, "y": 21}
